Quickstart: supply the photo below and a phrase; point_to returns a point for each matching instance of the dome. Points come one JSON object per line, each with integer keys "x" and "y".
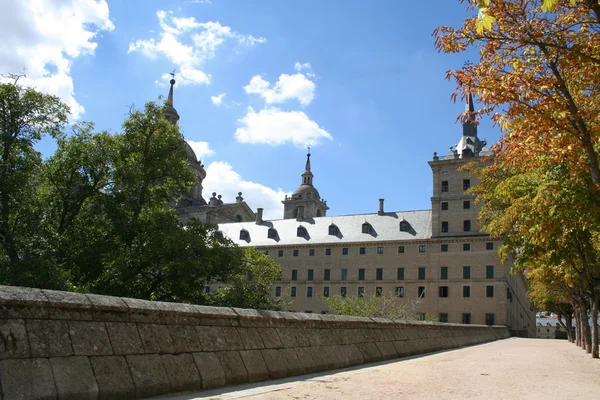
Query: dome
{"x": 191, "y": 155}
{"x": 306, "y": 189}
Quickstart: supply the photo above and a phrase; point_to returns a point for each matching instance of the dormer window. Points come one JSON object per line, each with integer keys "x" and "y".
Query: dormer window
{"x": 238, "y": 218}
{"x": 244, "y": 235}
{"x": 404, "y": 226}
{"x": 272, "y": 234}
{"x": 366, "y": 227}
{"x": 333, "y": 229}
{"x": 301, "y": 231}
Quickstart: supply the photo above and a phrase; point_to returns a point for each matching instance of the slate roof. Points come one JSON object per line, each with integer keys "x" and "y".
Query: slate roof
{"x": 349, "y": 227}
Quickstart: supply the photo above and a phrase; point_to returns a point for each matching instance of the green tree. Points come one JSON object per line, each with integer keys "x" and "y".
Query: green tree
{"x": 250, "y": 286}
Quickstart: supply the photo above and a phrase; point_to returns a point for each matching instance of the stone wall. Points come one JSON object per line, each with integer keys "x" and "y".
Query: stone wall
{"x": 69, "y": 345}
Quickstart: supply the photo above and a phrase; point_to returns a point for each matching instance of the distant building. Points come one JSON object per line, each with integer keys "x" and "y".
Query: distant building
{"x": 439, "y": 255}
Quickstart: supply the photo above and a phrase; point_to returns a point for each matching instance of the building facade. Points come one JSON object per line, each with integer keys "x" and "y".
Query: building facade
{"x": 439, "y": 257}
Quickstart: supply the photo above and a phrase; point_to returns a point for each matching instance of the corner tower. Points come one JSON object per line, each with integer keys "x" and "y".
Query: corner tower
{"x": 194, "y": 196}
{"x": 305, "y": 202}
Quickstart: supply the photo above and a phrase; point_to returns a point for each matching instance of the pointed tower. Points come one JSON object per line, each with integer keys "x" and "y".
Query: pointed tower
{"x": 305, "y": 202}
{"x": 469, "y": 145}
{"x": 194, "y": 196}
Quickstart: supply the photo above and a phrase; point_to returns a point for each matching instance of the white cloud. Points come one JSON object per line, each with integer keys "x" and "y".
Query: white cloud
{"x": 288, "y": 87}
{"x": 218, "y": 99}
{"x": 202, "y": 149}
{"x": 203, "y": 37}
{"x": 300, "y": 66}
{"x": 44, "y": 38}
{"x": 275, "y": 127}
{"x": 222, "y": 179}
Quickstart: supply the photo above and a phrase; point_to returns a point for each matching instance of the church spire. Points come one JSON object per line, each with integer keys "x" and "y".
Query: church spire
{"x": 170, "y": 112}
{"x": 307, "y": 167}
{"x": 307, "y": 176}
{"x": 469, "y": 123}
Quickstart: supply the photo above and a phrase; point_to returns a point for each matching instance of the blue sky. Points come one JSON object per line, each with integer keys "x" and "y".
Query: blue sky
{"x": 257, "y": 81}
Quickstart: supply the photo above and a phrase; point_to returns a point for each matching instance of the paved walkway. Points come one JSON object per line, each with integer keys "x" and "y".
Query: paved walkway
{"x": 507, "y": 369}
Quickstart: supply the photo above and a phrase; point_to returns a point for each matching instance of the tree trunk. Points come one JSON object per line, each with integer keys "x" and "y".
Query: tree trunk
{"x": 585, "y": 325}
{"x": 595, "y": 304}
{"x": 566, "y": 326}
{"x": 569, "y": 320}
{"x": 577, "y": 328}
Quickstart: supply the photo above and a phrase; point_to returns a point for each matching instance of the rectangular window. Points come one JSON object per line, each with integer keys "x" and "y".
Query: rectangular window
{"x": 466, "y": 184}
{"x": 311, "y": 252}
{"x": 509, "y": 294}
{"x": 326, "y": 274}
{"x": 444, "y": 248}
{"x": 444, "y": 205}
{"x": 344, "y": 275}
{"x": 421, "y": 291}
{"x": 489, "y": 319}
{"x": 326, "y": 291}
{"x": 400, "y": 276}
{"x": 362, "y": 250}
{"x": 400, "y": 291}
{"x": 280, "y": 253}
{"x": 380, "y": 250}
{"x": 278, "y": 291}
{"x": 466, "y": 204}
{"x": 327, "y": 252}
{"x": 489, "y": 272}
{"x": 444, "y": 186}
{"x": 361, "y": 274}
{"x": 400, "y": 249}
{"x": 466, "y": 272}
{"x": 266, "y": 252}
{"x": 466, "y": 319}
{"x": 379, "y": 274}
{"x": 443, "y": 291}
{"x": 444, "y": 226}
{"x": 466, "y": 291}
{"x": 343, "y": 291}
{"x": 421, "y": 273}
{"x": 378, "y": 291}
{"x": 443, "y": 317}
{"x": 466, "y": 246}
{"x": 344, "y": 251}
{"x": 422, "y": 248}
{"x": 489, "y": 246}
{"x": 444, "y": 273}
{"x": 309, "y": 291}
{"x": 422, "y": 316}
{"x": 467, "y": 225}
{"x": 206, "y": 289}
{"x": 310, "y": 274}
{"x": 293, "y": 291}
{"x": 295, "y": 252}
{"x": 361, "y": 291}
{"x": 294, "y": 274}
{"x": 489, "y": 291}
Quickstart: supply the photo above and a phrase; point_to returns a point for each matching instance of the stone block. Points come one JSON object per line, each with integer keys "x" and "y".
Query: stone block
{"x": 304, "y": 336}
{"x": 48, "y": 338}
{"x": 353, "y": 354}
{"x": 251, "y": 338}
{"x": 335, "y": 361}
{"x": 182, "y": 372}
{"x": 370, "y": 352}
{"x": 143, "y": 311}
{"x": 255, "y": 365}
{"x": 292, "y": 362}
{"x": 215, "y": 316}
{"x": 219, "y": 338}
{"x": 74, "y": 378}
{"x": 113, "y": 378}
{"x": 307, "y": 362}
{"x": 235, "y": 371}
{"x": 210, "y": 369}
{"x": 403, "y": 349}
{"x": 13, "y": 339}
{"x": 89, "y": 338}
{"x": 108, "y": 308}
{"x": 156, "y": 339}
{"x": 18, "y": 375}
{"x": 370, "y": 335}
{"x": 19, "y": 302}
{"x": 387, "y": 350}
{"x": 399, "y": 334}
{"x": 287, "y": 337}
{"x": 270, "y": 338}
{"x": 124, "y": 338}
{"x": 68, "y": 305}
{"x": 275, "y": 363}
{"x": 148, "y": 374}
{"x": 185, "y": 338}
{"x": 341, "y": 355}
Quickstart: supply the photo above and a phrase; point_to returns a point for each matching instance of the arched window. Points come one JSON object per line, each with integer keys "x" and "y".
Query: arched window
{"x": 244, "y": 235}
{"x": 333, "y": 229}
{"x": 319, "y": 213}
{"x": 272, "y": 234}
{"x": 301, "y": 231}
{"x": 404, "y": 226}
{"x": 366, "y": 228}
{"x": 238, "y": 218}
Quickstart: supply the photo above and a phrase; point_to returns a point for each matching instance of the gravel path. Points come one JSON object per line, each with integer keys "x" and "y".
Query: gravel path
{"x": 507, "y": 369}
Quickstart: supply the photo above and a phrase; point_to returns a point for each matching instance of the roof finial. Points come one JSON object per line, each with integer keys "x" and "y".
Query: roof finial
{"x": 172, "y": 82}
{"x": 469, "y": 120}
{"x": 307, "y": 168}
